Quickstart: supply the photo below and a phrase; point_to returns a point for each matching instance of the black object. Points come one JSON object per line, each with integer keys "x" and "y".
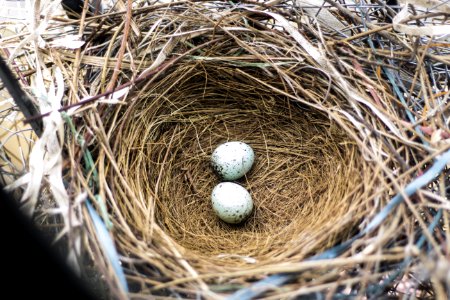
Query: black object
{"x": 75, "y": 7}
{"x": 20, "y": 98}
{"x": 392, "y": 3}
{"x": 30, "y": 268}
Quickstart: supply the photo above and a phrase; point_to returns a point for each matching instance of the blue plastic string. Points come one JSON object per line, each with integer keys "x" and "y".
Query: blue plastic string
{"x": 107, "y": 245}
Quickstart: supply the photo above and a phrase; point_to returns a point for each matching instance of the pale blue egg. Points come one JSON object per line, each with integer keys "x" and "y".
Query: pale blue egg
{"x": 232, "y": 160}
{"x": 231, "y": 202}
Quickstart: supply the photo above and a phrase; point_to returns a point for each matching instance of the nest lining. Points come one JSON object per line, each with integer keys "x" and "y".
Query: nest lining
{"x": 303, "y": 182}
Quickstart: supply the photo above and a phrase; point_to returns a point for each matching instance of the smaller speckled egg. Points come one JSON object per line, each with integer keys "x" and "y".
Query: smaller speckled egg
{"x": 231, "y": 202}
{"x": 232, "y": 160}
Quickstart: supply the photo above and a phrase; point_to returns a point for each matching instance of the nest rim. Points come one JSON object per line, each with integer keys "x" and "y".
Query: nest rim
{"x": 153, "y": 116}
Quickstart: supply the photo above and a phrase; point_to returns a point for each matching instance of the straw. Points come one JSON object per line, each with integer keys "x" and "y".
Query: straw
{"x": 348, "y": 123}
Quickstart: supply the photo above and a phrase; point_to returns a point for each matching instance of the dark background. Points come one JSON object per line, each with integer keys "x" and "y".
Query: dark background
{"x": 30, "y": 267}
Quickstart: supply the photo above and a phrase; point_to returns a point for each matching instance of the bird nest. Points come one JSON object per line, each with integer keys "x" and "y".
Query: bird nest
{"x": 307, "y": 182}
{"x": 155, "y": 89}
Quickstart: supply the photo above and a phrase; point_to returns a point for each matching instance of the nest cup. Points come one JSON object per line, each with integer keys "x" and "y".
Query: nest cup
{"x": 302, "y": 182}
{"x": 307, "y": 184}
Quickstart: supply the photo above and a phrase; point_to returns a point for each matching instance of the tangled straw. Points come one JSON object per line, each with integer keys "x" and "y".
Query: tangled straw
{"x": 348, "y": 123}
{"x": 166, "y": 150}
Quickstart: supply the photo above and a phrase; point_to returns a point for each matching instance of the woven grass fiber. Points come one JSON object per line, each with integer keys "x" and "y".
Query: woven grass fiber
{"x": 154, "y": 89}
{"x": 307, "y": 183}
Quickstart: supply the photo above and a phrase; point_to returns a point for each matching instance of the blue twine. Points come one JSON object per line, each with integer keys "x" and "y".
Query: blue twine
{"x": 108, "y": 245}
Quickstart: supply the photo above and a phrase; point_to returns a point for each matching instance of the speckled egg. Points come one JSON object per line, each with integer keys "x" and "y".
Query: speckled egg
{"x": 231, "y": 202}
{"x": 232, "y": 160}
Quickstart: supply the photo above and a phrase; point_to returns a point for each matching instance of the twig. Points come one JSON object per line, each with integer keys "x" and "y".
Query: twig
{"x": 123, "y": 45}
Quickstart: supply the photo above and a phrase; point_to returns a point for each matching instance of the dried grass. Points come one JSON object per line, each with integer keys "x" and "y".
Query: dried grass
{"x": 165, "y": 149}
{"x": 149, "y": 98}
